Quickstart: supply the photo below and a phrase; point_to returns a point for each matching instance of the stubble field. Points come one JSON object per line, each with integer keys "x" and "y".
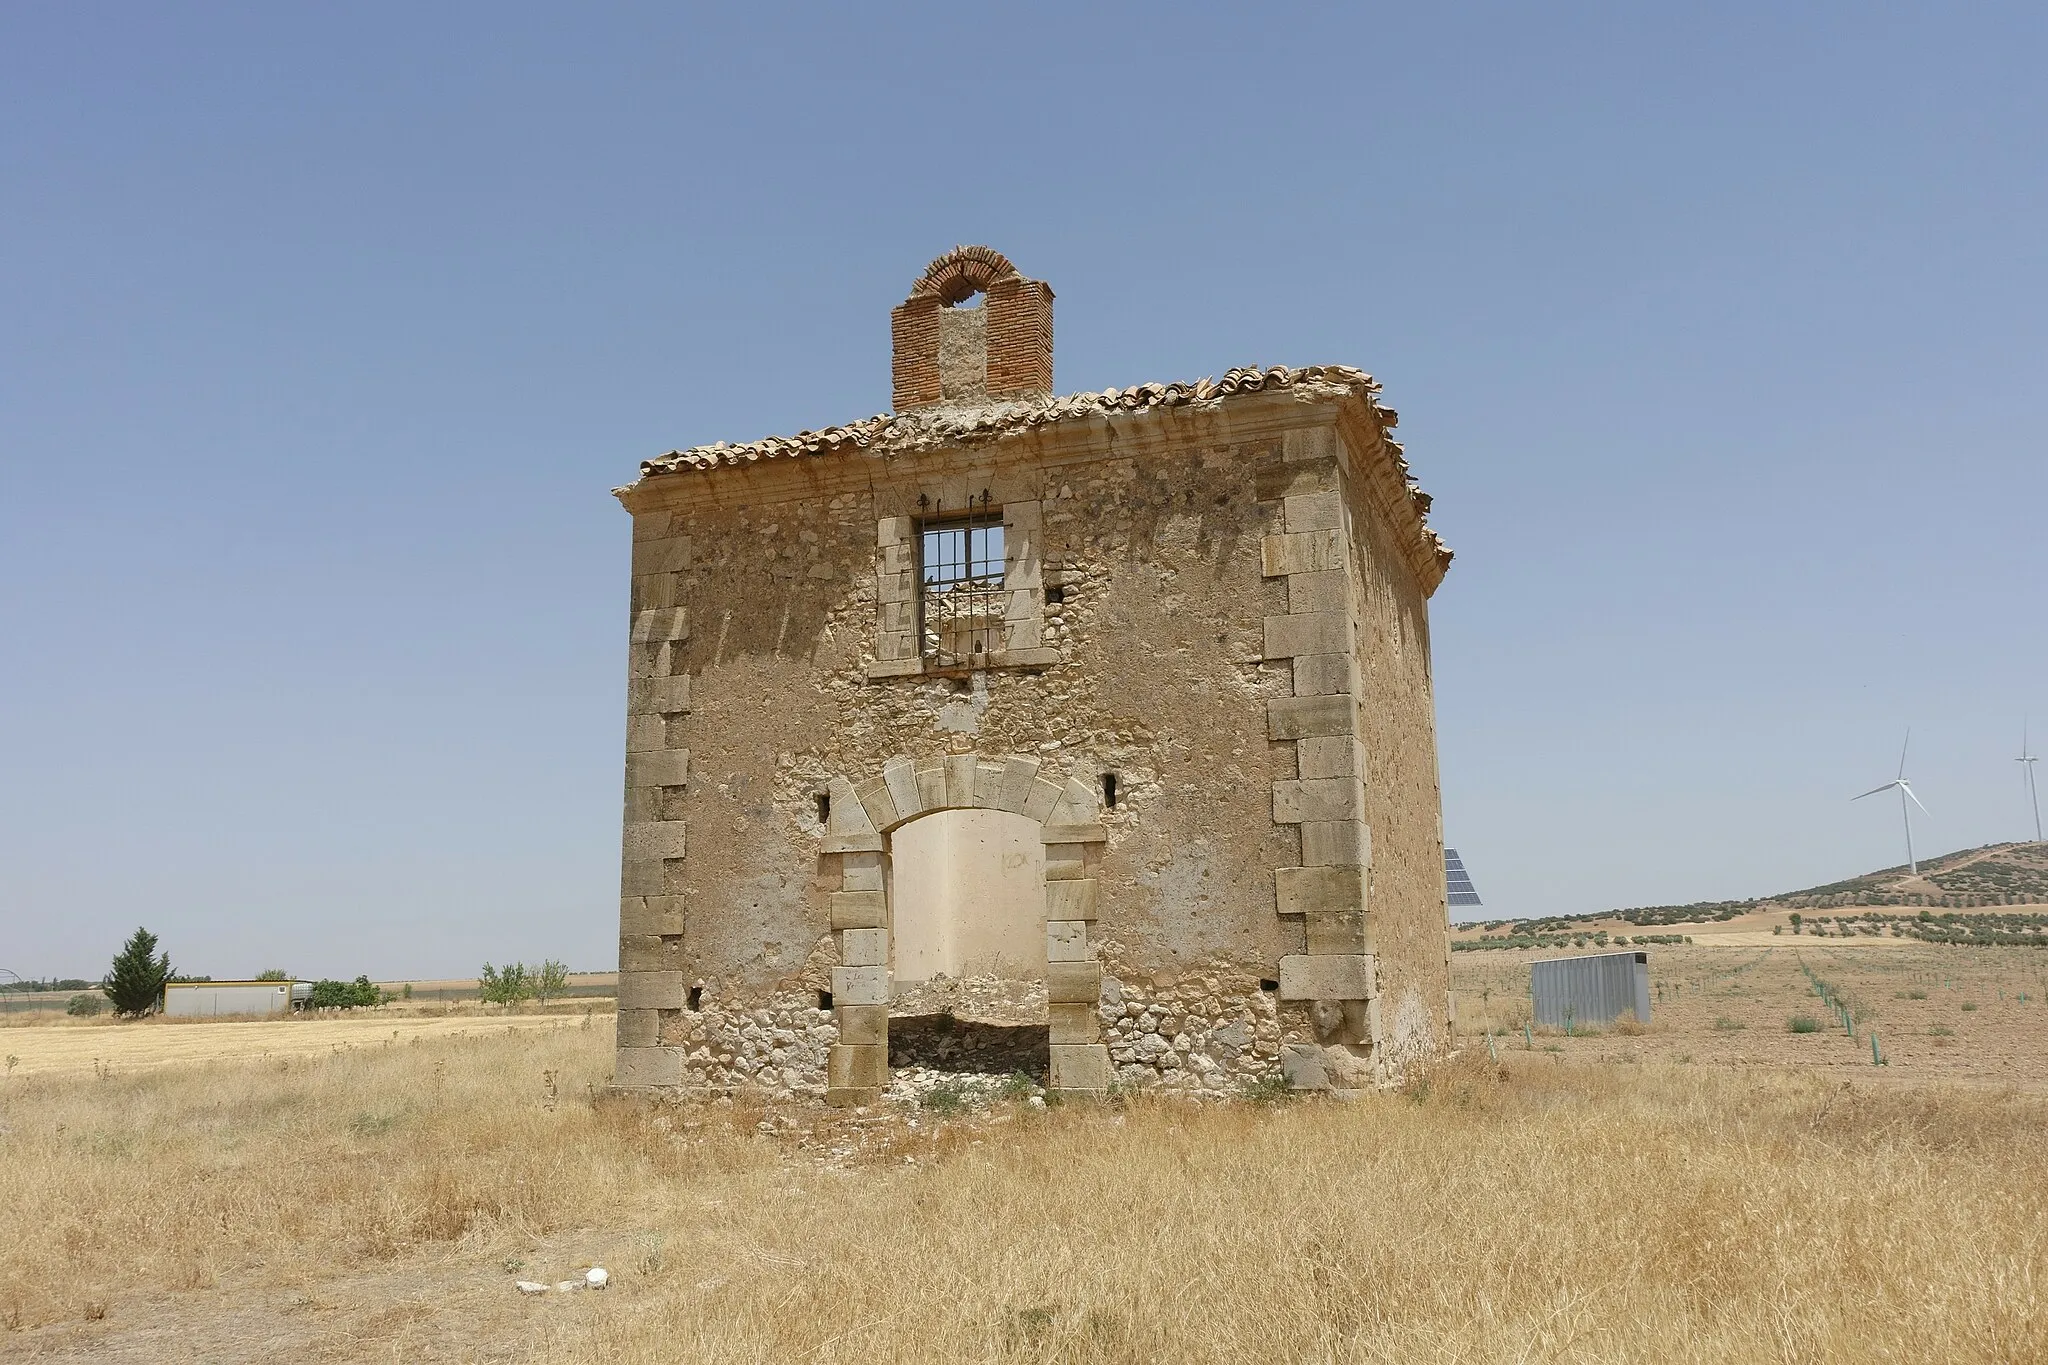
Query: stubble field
{"x": 1976, "y": 1016}
{"x": 107, "y": 1046}
{"x": 1687, "y": 1192}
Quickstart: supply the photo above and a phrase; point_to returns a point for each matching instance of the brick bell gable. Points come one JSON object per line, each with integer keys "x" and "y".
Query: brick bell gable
{"x": 941, "y": 353}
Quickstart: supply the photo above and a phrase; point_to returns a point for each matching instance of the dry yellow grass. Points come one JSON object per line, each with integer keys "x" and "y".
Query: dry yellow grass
{"x": 98, "y": 1046}
{"x": 1552, "y": 1212}
{"x": 1942, "y": 1014}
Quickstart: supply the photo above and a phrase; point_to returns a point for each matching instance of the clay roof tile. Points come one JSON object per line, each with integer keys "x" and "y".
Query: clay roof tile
{"x": 928, "y": 427}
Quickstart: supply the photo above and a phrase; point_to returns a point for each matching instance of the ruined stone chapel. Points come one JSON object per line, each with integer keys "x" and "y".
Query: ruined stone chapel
{"x": 1087, "y": 735}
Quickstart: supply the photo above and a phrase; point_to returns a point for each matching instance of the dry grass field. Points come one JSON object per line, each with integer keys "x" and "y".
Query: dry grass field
{"x": 105, "y": 1045}
{"x": 1966, "y": 1015}
{"x": 1635, "y": 1197}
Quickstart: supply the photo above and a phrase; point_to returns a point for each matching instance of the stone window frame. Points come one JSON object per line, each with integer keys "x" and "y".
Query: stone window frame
{"x": 944, "y": 585}
{"x": 898, "y": 651}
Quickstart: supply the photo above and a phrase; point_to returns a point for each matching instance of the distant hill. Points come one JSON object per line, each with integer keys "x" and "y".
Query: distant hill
{"x": 1996, "y": 874}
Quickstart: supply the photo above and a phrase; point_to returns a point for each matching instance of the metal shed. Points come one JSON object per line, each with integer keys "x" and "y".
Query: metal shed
{"x": 1596, "y": 989}
{"x": 201, "y": 999}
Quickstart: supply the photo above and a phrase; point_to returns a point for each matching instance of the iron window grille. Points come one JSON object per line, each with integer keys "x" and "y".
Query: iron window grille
{"x": 960, "y": 585}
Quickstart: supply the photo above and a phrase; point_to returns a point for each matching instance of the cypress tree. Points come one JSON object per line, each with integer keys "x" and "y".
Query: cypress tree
{"x": 136, "y": 981}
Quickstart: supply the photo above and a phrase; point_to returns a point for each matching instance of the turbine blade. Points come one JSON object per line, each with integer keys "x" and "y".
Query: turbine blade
{"x": 1902, "y": 750}
{"x": 1875, "y": 790}
{"x": 1908, "y": 793}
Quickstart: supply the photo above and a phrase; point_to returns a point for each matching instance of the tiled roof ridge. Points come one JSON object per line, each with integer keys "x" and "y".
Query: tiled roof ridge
{"x": 929, "y": 425}
{"x": 926, "y": 427}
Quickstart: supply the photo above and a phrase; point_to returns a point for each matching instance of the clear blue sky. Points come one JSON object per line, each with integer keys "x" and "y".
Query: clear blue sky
{"x": 1719, "y": 336}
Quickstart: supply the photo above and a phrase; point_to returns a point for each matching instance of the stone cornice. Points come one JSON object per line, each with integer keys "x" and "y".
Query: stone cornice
{"x": 1245, "y": 405}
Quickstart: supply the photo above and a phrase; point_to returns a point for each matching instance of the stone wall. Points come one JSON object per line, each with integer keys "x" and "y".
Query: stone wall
{"x": 1217, "y": 616}
{"x": 1405, "y": 904}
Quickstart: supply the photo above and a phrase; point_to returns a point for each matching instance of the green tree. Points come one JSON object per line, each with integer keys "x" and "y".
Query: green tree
{"x": 551, "y": 980}
{"x": 273, "y": 974}
{"x": 1796, "y": 919}
{"x": 346, "y": 995}
{"x": 507, "y": 987}
{"x": 135, "y": 983}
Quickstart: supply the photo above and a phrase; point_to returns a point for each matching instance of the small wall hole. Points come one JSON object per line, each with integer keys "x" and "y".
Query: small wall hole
{"x": 1269, "y": 986}
{"x": 696, "y": 998}
{"x": 824, "y": 1000}
{"x": 824, "y": 808}
{"x": 1055, "y": 596}
{"x": 1109, "y": 790}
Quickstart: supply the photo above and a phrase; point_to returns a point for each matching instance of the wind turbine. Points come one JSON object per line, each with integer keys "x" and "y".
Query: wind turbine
{"x": 1905, "y": 795}
{"x": 2029, "y": 760}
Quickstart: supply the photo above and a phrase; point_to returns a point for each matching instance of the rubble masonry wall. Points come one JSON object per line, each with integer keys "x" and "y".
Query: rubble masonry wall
{"x": 761, "y": 602}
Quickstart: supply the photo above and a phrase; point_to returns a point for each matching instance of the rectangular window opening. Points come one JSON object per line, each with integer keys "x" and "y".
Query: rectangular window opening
{"x": 960, "y": 593}
{"x": 825, "y": 1000}
{"x": 824, "y": 808}
{"x": 696, "y": 998}
{"x": 1109, "y": 791}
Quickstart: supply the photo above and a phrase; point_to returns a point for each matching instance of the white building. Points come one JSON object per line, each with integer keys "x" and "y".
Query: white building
{"x": 203, "y": 999}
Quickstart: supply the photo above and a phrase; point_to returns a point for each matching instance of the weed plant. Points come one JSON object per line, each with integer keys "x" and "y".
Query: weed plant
{"x": 947, "y": 1097}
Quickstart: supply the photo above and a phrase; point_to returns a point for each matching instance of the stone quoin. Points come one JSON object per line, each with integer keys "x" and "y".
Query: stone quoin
{"x": 1088, "y": 735}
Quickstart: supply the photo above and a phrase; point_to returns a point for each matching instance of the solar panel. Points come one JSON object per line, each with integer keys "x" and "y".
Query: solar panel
{"x": 1457, "y": 882}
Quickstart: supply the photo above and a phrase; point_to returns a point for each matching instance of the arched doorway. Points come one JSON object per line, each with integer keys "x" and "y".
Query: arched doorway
{"x": 968, "y": 946}
{"x": 983, "y": 899}
{"x": 967, "y": 897}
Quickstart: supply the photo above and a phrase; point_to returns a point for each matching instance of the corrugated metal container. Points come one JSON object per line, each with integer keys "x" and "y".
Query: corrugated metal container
{"x": 199, "y": 999}
{"x": 1596, "y": 989}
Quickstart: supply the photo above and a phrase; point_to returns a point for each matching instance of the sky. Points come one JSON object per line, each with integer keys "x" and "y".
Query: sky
{"x": 1716, "y": 332}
